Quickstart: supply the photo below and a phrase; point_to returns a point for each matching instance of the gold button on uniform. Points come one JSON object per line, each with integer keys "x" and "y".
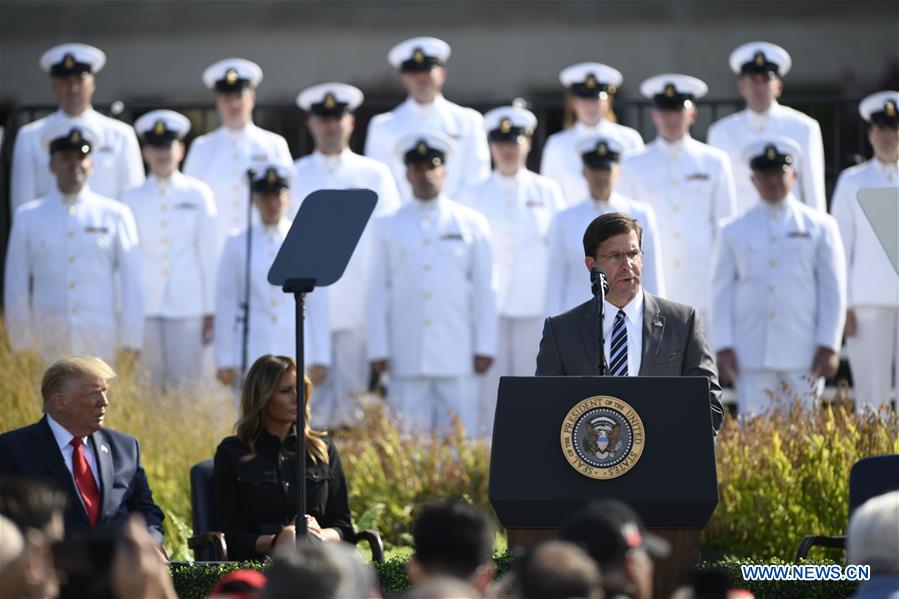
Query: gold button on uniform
{"x": 274, "y": 319}
{"x": 71, "y": 210}
{"x": 427, "y": 296}
{"x": 71, "y": 259}
{"x": 427, "y": 323}
{"x": 73, "y": 311}
{"x": 771, "y": 315}
{"x": 770, "y": 288}
{"x": 427, "y": 242}
{"x": 676, "y": 263}
{"x": 71, "y": 233}
{"x": 164, "y": 207}
{"x": 163, "y": 240}
{"x": 772, "y": 263}
{"x": 675, "y": 235}
{"x": 427, "y": 268}
{"x": 675, "y": 208}
{"x": 163, "y": 224}
{"x": 774, "y": 238}
{"x": 72, "y": 285}
{"x": 674, "y": 183}
{"x": 164, "y": 272}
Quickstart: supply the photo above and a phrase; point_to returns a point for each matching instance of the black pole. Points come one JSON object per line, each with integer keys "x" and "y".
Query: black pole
{"x": 245, "y": 338}
{"x": 299, "y": 287}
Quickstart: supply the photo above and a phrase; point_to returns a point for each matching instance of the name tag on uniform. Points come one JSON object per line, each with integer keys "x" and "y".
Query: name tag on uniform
{"x": 259, "y": 158}
{"x": 799, "y": 235}
{"x": 452, "y": 237}
{"x": 96, "y": 229}
{"x": 534, "y": 204}
{"x": 185, "y": 206}
{"x": 698, "y": 177}
{"x": 104, "y": 149}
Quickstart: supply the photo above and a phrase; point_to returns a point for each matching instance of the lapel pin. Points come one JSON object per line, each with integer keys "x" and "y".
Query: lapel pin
{"x": 657, "y": 322}
{"x": 104, "y": 449}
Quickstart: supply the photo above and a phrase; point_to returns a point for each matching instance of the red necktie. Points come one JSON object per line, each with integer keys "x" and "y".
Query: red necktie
{"x": 84, "y": 480}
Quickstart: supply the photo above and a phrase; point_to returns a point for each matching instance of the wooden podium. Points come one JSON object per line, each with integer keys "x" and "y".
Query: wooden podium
{"x": 551, "y": 456}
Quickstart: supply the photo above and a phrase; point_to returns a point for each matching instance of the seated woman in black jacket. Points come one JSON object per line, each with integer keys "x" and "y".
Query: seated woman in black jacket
{"x": 255, "y": 471}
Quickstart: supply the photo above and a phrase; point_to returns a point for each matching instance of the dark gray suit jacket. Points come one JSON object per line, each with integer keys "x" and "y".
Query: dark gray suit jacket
{"x": 673, "y": 345}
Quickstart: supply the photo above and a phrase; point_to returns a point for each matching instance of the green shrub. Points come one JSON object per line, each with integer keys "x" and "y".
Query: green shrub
{"x": 785, "y": 474}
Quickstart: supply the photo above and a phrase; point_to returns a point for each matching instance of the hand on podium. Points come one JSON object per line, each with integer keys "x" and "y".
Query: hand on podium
{"x": 727, "y": 366}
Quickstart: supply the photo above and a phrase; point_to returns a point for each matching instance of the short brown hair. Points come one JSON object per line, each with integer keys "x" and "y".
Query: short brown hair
{"x": 609, "y": 225}
{"x": 72, "y": 367}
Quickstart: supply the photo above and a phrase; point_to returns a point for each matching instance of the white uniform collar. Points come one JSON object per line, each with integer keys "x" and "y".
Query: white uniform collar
{"x": 234, "y": 133}
{"x": 426, "y": 109}
{"x": 673, "y": 148}
{"x": 888, "y": 169}
{"x": 615, "y": 201}
{"x": 633, "y": 310}
{"x": 61, "y": 434}
{"x": 275, "y": 230}
{"x": 760, "y": 119}
{"x": 779, "y": 208}
{"x": 165, "y": 183}
{"x": 72, "y": 199}
{"x": 509, "y": 182}
{"x": 429, "y": 205}
{"x": 585, "y": 129}
{"x": 329, "y": 162}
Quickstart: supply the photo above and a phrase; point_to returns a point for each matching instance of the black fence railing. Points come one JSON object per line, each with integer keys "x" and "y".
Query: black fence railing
{"x": 842, "y": 129}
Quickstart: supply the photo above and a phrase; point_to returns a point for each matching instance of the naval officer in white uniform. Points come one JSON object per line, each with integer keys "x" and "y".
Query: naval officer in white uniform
{"x": 175, "y": 216}
{"x": 432, "y": 314}
{"x": 519, "y": 206}
{"x": 567, "y": 284}
{"x": 221, "y": 158}
{"x": 272, "y": 313}
{"x": 333, "y": 165}
{"x": 421, "y": 62}
{"x": 872, "y": 320}
{"x": 73, "y": 268}
{"x": 115, "y": 156}
{"x": 688, "y": 183}
{"x": 761, "y": 67}
{"x": 778, "y": 289}
{"x": 591, "y": 86}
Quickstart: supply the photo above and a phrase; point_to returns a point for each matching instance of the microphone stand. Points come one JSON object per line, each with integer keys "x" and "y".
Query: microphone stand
{"x": 245, "y": 307}
{"x": 599, "y": 285}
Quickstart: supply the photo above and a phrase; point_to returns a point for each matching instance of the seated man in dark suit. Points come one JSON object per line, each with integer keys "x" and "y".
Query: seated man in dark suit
{"x": 99, "y": 470}
{"x": 643, "y": 335}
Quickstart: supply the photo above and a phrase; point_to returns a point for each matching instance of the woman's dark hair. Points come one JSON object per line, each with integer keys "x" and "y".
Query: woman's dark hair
{"x": 609, "y": 225}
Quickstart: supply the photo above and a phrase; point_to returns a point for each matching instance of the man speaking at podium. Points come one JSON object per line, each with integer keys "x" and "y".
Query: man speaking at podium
{"x": 643, "y": 335}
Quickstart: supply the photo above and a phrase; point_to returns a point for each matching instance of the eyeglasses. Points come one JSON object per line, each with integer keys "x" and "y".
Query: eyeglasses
{"x": 619, "y": 257}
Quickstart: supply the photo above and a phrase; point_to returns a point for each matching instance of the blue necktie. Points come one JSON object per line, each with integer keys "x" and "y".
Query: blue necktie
{"x": 618, "y": 351}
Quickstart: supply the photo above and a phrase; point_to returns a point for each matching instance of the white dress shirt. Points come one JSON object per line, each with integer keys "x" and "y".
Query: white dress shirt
{"x": 347, "y": 170}
{"x": 633, "y": 323}
{"x": 690, "y": 187}
{"x": 73, "y": 282}
{"x": 469, "y": 163}
{"x": 431, "y": 306}
{"x": 871, "y": 280}
{"x": 221, "y": 160}
{"x": 734, "y": 133}
{"x": 568, "y": 280}
{"x": 778, "y": 286}
{"x": 562, "y": 162}
{"x": 272, "y": 312}
{"x": 64, "y": 441}
{"x": 519, "y": 210}
{"x": 177, "y": 230}
{"x": 117, "y": 161}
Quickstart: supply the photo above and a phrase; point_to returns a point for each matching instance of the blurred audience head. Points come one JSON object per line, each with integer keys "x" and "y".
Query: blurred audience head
{"x": 615, "y": 537}
{"x": 872, "y": 537}
{"x": 555, "y": 569}
{"x": 443, "y": 587}
{"x": 239, "y": 584}
{"x": 452, "y": 538}
{"x": 12, "y": 562}
{"x": 37, "y": 509}
{"x": 319, "y": 571}
{"x": 710, "y": 584}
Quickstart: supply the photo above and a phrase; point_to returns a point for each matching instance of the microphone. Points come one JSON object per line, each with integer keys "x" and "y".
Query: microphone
{"x": 597, "y": 277}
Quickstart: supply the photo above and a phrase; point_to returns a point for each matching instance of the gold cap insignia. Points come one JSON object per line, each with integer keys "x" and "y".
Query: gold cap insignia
{"x": 602, "y": 149}
{"x": 505, "y": 126}
{"x": 771, "y": 152}
{"x": 590, "y": 82}
{"x": 159, "y": 128}
{"x": 669, "y": 90}
{"x": 418, "y": 55}
{"x": 75, "y": 136}
{"x": 68, "y": 62}
{"x": 759, "y": 58}
{"x": 271, "y": 176}
{"x": 329, "y": 102}
{"x": 231, "y": 77}
{"x": 890, "y": 108}
{"x": 422, "y": 148}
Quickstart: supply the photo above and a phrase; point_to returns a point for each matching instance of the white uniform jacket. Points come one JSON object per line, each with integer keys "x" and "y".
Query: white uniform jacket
{"x": 73, "y": 277}
{"x": 431, "y": 306}
{"x": 871, "y": 280}
{"x": 221, "y": 160}
{"x": 562, "y": 162}
{"x": 568, "y": 280}
{"x": 778, "y": 286}
{"x": 690, "y": 187}
{"x": 469, "y": 163}
{"x": 519, "y": 210}
{"x": 347, "y": 170}
{"x": 735, "y": 132}
{"x": 177, "y": 230}
{"x": 117, "y": 161}
{"x": 272, "y": 312}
